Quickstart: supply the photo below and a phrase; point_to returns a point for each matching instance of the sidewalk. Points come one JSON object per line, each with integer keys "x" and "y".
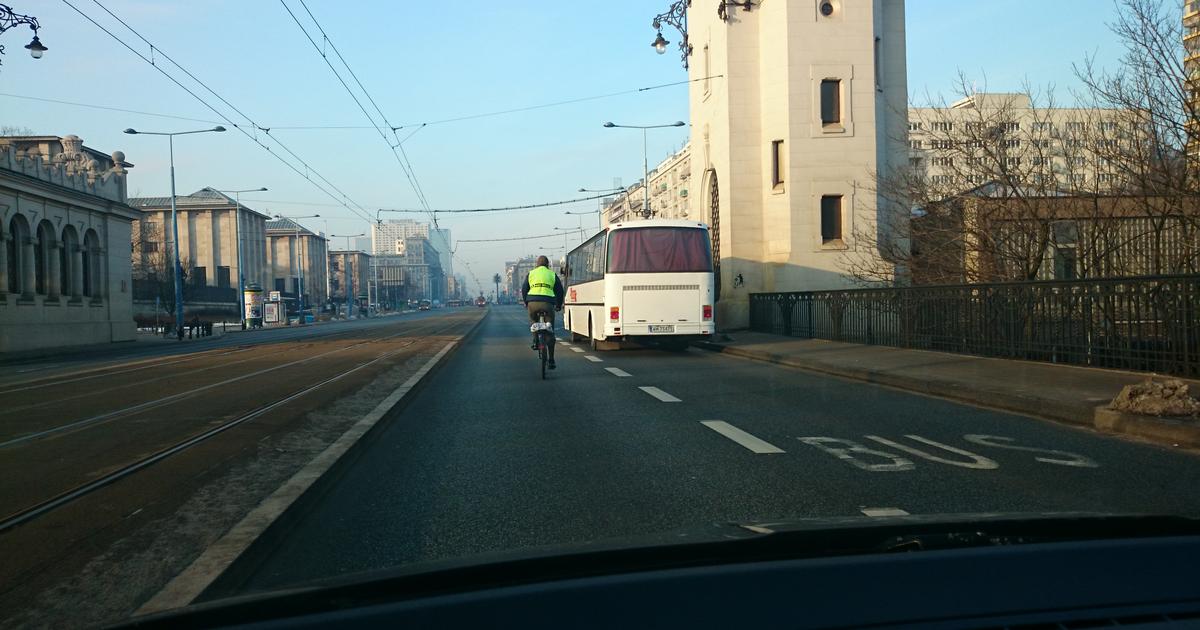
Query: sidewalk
{"x": 1064, "y": 393}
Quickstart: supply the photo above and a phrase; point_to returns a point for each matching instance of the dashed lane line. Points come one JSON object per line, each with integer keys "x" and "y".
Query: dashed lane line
{"x": 751, "y": 442}
{"x": 577, "y": 350}
{"x": 618, "y": 372}
{"x": 877, "y": 512}
{"x": 659, "y": 394}
{"x": 592, "y": 358}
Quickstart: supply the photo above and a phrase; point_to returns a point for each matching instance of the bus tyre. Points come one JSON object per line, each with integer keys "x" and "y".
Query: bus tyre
{"x": 592, "y": 341}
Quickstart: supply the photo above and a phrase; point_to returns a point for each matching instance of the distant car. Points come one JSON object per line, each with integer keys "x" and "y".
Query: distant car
{"x": 480, "y": 302}
{"x": 425, "y": 305}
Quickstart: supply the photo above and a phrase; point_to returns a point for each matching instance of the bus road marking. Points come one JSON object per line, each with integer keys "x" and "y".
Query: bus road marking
{"x": 593, "y": 359}
{"x": 618, "y": 372}
{"x": 751, "y": 442}
{"x": 659, "y": 394}
{"x": 883, "y": 511}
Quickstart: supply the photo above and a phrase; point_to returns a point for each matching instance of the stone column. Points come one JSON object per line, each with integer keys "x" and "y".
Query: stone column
{"x": 76, "y": 273}
{"x": 53, "y": 269}
{"x": 28, "y": 271}
{"x": 4, "y": 239}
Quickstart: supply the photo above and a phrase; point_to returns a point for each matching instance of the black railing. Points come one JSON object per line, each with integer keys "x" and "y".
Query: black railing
{"x": 147, "y": 290}
{"x": 1146, "y": 323}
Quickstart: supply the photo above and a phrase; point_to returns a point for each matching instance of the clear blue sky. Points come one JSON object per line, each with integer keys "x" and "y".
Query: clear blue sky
{"x": 425, "y": 61}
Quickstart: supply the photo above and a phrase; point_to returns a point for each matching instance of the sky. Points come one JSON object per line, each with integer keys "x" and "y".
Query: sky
{"x": 423, "y": 62}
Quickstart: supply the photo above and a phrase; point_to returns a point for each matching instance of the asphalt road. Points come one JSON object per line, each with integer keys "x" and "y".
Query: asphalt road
{"x": 489, "y": 458}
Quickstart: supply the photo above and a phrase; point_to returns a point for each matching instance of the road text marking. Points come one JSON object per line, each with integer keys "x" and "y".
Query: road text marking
{"x": 741, "y": 437}
{"x": 884, "y": 511}
{"x": 659, "y": 394}
{"x": 593, "y": 359}
{"x": 618, "y": 372}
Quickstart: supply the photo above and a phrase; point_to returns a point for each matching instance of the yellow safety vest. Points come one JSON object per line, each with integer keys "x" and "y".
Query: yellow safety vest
{"x": 541, "y": 282}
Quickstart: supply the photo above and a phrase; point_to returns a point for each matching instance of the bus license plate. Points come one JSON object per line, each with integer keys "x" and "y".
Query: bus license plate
{"x": 662, "y": 328}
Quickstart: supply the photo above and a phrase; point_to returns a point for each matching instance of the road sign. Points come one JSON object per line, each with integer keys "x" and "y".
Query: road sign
{"x": 274, "y": 296}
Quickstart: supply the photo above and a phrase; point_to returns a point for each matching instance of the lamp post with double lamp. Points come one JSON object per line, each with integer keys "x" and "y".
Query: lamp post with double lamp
{"x": 237, "y": 235}
{"x": 349, "y": 276}
{"x": 299, "y": 263}
{"x": 175, "y": 217}
{"x": 645, "y": 159}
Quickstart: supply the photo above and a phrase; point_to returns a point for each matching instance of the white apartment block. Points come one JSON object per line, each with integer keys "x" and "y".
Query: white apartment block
{"x": 387, "y": 237}
{"x": 810, "y": 103}
{"x": 1000, "y": 136}
{"x": 669, "y": 194}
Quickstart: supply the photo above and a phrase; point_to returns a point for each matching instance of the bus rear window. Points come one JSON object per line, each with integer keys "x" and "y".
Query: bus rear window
{"x": 653, "y": 249}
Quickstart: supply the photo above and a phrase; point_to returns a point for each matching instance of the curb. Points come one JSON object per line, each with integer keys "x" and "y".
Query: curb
{"x": 1161, "y": 430}
{"x": 1176, "y": 432}
{"x": 218, "y": 557}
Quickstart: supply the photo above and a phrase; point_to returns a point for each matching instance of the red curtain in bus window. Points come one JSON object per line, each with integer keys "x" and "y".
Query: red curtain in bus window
{"x": 645, "y": 250}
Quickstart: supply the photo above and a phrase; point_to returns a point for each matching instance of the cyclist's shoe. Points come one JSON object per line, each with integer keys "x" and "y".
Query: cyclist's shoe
{"x": 550, "y": 364}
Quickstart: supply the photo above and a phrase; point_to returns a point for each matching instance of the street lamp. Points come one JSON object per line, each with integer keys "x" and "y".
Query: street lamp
{"x": 645, "y": 159}
{"x": 599, "y": 219}
{"x": 299, "y": 265}
{"x": 346, "y": 270}
{"x": 10, "y": 19}
{"x": 175, "y": 217}
{"x": 570, "y": 230}
{"x": 237, "y": 235}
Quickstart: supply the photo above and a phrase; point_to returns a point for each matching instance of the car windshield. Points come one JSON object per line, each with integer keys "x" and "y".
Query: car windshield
{"x": 270, "y": 274}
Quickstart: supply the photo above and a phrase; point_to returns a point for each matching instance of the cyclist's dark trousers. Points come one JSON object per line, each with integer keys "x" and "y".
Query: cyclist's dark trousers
{"x": 536, "y": 308}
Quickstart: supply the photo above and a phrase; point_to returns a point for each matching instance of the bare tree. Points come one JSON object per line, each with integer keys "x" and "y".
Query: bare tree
{"x": 153, "y": 270}
{"x": 9, "y": 131}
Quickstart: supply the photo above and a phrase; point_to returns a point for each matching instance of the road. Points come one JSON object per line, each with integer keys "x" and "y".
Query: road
{"x": 487, "y": 457}
{"x": 125, "y": 466}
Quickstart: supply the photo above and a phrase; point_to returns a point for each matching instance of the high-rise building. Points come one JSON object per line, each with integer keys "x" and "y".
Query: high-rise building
{"x": 794, "y": 108}
{"x": 1191, "y": 68}
{"x": 387, "y": 236}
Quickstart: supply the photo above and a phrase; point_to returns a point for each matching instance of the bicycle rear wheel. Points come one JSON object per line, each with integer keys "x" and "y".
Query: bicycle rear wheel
{"x": 543, "y": 352}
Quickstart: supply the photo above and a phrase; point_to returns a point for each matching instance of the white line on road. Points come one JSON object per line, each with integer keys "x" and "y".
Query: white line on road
{"x": 884, "y": 511}
{"x": 741, "y": 437}
{"x": 593, "y": 359}
{"x": 577, "y": 350}
{"x": 618, "y": 372}
{"x": 659, "y": 394}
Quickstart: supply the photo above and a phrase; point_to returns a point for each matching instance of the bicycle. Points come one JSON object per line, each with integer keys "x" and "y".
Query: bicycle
{"x": 543, "y": 330}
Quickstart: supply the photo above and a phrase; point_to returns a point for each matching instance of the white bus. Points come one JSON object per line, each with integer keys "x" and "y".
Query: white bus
{"x": 642, "y": 281}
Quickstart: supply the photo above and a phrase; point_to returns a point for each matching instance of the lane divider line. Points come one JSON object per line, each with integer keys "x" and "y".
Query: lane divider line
{"x": 659, "y": 394}
{"x": 877, "y": 512}
{"x": 754, "y": 443}
{"x": 618, "y": 372}
{"x": 188, "y": 585}
{"x": 593, "y": 358}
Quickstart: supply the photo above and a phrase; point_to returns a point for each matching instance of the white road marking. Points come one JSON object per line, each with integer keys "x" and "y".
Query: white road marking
{"x": 1066, "y": 458}
{"x": 659, "y": 394}
{"x": 593, "y": 359}
{"x": 565, "y": 343}
{"x": 846, "y": 450}
{"x": 977, "y": 462}
{"x": 884, "y": 511}
{"x": 741, "y": 437}
{"x": 618, "y": 372}
{"x": 577, "y": 350}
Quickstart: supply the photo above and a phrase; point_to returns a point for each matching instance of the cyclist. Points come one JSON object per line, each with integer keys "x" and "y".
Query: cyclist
{"x": 544, "y": 293}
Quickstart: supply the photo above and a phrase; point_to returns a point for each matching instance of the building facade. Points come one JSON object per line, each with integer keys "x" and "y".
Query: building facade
{"x": 388, "y": 278}
{"x": 387, "y": 237}
{"x": 669, "y": 194}
{"x": 296, "y": 262}
{"x": 213, "y": 231}
{"x": 795, "y": 106}
{"x": 65, "y": 228}
{"x": 1004, "y": 137}
{"x": 350, "y": 277}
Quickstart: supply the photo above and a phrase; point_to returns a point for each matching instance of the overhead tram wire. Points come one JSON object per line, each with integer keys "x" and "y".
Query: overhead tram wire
{"x": 344, "y": 200}
{"x": 405, "y": 165}
{"x": 501, "y": 209}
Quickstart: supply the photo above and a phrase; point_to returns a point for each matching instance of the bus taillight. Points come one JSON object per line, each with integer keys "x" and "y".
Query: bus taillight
{"x": 614, "y": 313}
{"x": 707, "y": 312}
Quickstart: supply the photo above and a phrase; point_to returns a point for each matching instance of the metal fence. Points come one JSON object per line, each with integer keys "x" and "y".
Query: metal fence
{"x": 1146, "y": 323}
{"x": 147, "y": 290}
